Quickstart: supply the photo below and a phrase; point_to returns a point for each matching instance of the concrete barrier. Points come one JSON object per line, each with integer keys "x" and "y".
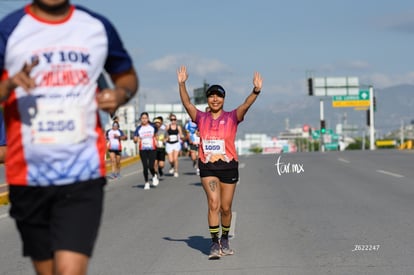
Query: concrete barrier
{"x": 4, "y": 196}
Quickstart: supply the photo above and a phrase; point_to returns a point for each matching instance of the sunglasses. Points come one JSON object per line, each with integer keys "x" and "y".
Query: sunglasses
{"x": 173, "y": 119}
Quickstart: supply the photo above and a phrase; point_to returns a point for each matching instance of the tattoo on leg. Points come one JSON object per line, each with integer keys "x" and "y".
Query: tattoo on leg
{"x": 213, "y": 185}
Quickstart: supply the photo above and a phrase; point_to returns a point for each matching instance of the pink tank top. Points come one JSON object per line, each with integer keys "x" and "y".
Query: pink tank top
{"x": 217, "y": 136}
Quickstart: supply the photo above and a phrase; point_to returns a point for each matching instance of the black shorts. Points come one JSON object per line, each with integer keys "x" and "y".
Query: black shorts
{"x": 54, "y": 218}
{"x": 160, "y": 156}
{"x": 194, "y": 147}
{"x": 117, "y": 152}
{"x": 225, "y": 176}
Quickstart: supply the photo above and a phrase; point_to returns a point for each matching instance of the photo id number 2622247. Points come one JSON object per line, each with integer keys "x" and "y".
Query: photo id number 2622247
{"x": 366, "y": 247}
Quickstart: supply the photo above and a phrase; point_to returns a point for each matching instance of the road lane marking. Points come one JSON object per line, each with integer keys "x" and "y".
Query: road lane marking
{"x": 241, "y": 165}
{"x": 233, "y": 225}
{"x": 390, "y": 173}
{"x": 133, "y": 173}
{"x": 344, "y": 160}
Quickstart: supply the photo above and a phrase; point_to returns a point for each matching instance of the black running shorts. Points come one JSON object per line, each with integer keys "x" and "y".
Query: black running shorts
{"x": 54, "y": 218}
{"x": 225, "y": 176}
{"x": 116, "y": 152}
{"x": 160, "y": 154}
{"x": 193, "y": 147}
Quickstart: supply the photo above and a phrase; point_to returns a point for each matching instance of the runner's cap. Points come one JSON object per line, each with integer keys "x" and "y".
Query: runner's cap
{"x": 216, "y": 89}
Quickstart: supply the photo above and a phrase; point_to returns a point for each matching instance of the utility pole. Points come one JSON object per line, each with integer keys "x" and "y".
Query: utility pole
{"x": 371, "y": 115}
{"x": 322, "y": 118}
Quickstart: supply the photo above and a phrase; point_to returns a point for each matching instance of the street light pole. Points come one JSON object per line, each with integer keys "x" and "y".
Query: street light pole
{"x": 322, "y": 149}
{"x": 371, "y": 116}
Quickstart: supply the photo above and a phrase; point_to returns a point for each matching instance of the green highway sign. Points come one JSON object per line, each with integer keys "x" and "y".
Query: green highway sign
{"x": 332, "y": 146}
{"x": 345, "y": 97}
{"x": 316, "y": 134}
{"x": 330, "y": 139}
{"x": 360, "y": 100}
{"x": 363, "y": 95}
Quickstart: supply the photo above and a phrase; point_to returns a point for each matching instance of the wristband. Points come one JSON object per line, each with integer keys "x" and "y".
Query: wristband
{"x": 256, "y": 93}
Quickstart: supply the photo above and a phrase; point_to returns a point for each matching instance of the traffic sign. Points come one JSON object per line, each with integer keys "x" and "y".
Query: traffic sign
{"x": 330, "y": 86}
{"x": 360, "y": 100}
{"x": 351, "y": 103}
{"x": 363, "y": 94}
{"x": 316, "y": 134}
{"x": 330, "y": 139}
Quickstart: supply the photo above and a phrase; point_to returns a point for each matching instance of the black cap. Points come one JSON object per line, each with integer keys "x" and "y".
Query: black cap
{"x": 215, "y": 89}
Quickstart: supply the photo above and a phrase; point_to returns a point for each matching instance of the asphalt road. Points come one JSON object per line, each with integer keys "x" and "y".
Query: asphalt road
{"x": 314, "y": 213}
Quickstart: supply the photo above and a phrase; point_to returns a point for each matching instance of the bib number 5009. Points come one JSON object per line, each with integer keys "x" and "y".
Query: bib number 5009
{"x": 212, "y": 147}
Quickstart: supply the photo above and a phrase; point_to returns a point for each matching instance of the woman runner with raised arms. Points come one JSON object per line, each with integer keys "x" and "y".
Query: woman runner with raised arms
{"x": 218, "y": 160}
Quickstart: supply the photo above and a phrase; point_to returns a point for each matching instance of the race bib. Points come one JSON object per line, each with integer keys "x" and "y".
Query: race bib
{"x": 58, "y": 125}
{"x": 147, "y": 143}
{"x": 173, "y": 138}
{"x": 214, "y": 147}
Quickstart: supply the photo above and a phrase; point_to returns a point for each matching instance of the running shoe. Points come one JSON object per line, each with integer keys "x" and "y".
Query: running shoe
{"x": 147, "y": 186}
{"x": 155, "y": 180}
{"x": 111, "y": 176}
{"x": 214, "y": 251}
{"x": 175, "y": 174}
{"x": 225, "y": 247}
{"x": 118, "y": 175}
{"x": 171, "y": 170}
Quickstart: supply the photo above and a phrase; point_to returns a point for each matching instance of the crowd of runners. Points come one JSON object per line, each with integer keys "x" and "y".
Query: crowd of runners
{"x": 157, "y": 143}
{"x": 209, "y": 137}
{"x": 55, "y": 164}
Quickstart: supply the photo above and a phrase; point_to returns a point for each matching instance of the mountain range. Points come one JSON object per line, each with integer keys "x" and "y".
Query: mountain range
{"x": 394, "y": 107}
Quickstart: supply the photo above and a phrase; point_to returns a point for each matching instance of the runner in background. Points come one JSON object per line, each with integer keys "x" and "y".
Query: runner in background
{"x": 193, "y": 138}
{"x": 115, "y": 136}
{"x": 173, "y": 145}
{"x": 145, "y": 136}
{"x": 114, "y": 119}
{"x": 161, "y": 136}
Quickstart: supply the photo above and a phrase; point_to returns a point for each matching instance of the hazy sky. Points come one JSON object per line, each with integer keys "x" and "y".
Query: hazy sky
{"x": 226, "y": 41}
